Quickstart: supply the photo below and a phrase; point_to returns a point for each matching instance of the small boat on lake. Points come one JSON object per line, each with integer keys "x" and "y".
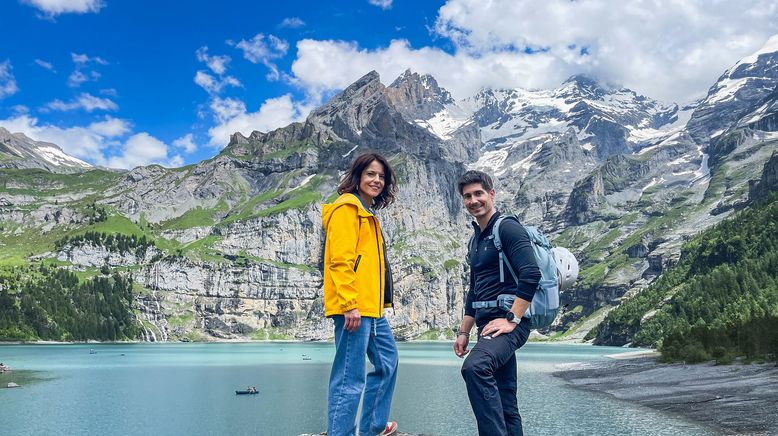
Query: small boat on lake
{"x": 249, "y": 391}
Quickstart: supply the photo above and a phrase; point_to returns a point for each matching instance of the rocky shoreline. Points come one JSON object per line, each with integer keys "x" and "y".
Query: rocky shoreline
{"x": 734, "y": 399}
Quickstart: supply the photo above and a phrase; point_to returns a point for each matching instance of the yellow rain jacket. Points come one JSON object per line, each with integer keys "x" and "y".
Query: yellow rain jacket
{"x": 354, "y": 259}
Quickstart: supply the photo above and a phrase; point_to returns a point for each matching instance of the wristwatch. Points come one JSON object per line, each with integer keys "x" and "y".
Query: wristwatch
{"x": 511, "y": 317}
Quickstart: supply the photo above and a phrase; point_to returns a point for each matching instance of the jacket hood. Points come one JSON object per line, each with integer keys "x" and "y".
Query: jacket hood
{"x": 343, "y": 200}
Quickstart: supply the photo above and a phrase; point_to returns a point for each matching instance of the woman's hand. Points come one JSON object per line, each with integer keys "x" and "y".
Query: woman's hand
{"x": 353, "y": 319}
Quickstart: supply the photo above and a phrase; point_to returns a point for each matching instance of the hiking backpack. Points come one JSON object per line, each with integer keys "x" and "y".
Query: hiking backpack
{"x": 557, "y": 267}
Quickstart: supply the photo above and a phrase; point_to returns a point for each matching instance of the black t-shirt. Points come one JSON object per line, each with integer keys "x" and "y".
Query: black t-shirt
{"x": 484, "y": 262}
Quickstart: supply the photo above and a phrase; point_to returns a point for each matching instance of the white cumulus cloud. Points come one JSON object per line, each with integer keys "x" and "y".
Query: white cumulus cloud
{"x": 292, "y": 23}
{"x": 7, "y": 80}
{"x": 264, "y": 49}
{"x": 186, "y": 143}
{"x": 85, "y": 101}
{"x": 110, "y": 127}
{"x": 669, "y": 49}
{"x": 214, "y": 85}
{"x": 673, "y": 50}
{"x": 218, "y": 65}
{"x": 45, "y": 65}
{"x": 51, "y": 8}
{"x": 82, "y": 73}
{"x": 143, "y": 149}
{"x": 232, "y": 117}
{"x": 83, "y": 59}
{"x": 330, "y": 65}
{"x": 383, "y": 4}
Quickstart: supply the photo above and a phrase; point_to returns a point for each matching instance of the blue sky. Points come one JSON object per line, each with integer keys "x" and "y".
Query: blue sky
{"x": 125, "y": 83}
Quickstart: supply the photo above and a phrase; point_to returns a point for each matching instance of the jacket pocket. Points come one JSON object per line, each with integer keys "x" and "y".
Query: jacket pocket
{"x": 356, "y": 262}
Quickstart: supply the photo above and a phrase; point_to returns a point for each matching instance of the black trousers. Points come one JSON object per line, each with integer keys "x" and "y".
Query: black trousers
{"x": 490, "y": 375}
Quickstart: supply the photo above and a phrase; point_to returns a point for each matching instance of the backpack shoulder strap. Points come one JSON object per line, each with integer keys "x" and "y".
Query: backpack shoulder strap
{"x": 496, "y": 233}
{"x": 496, "y": 230}
{"x": 498, "y": 245}
{"x": 470, "y": 247}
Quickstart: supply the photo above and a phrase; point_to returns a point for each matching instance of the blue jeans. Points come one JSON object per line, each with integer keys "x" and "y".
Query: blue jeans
{"x": 347, "y": 379}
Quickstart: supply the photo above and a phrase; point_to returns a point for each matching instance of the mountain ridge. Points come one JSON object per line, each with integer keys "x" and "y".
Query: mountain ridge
{"x": 615, "y": 176}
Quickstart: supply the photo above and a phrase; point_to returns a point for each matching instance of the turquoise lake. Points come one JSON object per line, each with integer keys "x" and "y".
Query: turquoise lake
{"x": 189, "y": 389}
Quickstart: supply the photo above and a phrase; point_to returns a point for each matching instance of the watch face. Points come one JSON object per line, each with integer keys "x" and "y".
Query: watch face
{"x": 509, "y": 316}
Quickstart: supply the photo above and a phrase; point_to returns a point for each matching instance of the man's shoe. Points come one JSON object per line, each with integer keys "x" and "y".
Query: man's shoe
{"x": 391, "y": 427}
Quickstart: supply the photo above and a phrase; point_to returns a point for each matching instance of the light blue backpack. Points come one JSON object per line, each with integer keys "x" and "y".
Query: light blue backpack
{"x": 545, "y": 304}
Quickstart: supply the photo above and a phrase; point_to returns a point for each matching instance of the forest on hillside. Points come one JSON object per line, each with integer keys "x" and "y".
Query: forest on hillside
{"x": 49, "y": 303}
{"x": 720, "y": 302}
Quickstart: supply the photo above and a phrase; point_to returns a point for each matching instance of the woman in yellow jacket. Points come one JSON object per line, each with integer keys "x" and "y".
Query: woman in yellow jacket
{"x": 357, "y": 288}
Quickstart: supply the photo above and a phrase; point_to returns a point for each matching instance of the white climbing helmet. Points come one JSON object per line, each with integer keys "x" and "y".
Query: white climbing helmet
{"x": 566, "y": 266}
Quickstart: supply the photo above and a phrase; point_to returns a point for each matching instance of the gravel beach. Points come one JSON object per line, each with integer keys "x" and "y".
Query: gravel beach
{"x": 736, "y": 399}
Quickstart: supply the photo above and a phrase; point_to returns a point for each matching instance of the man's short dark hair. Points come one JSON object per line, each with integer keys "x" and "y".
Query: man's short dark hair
{"x": 474, "y": 176}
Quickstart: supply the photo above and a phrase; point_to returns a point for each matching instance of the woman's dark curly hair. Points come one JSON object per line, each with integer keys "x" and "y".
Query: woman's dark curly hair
{"x": 350, "y": 181}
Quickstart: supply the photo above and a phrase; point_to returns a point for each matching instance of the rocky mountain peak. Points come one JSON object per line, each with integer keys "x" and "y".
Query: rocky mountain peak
{"x": 581, "y": 85}
{"x": 347, "y": 113}
{"x": 765, "y": 57}
{"x": 417, "y": 96}
{"x": 17, "y": 150}
{"x": 741, "y": 87}
{"x": 366, "y": 89}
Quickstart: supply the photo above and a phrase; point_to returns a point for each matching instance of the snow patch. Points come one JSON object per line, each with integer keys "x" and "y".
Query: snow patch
{"x": 765, "y": 136}
{"x": 445, "y": 122}
{"x": 726, "y": 89}
{"x": 703, "y": 173}
{"x": 654, "y": 181}
{"x": 58, "y": 157}
{"x": 756, "y": 115}
{"x": 771, "y": 46}
{"x": 304, "y": 182}
{"x": 350, "y": 151}
{"x": 492, "y": 160}
{"x": 526, "y": 163}
{"x": 680, "y": 160}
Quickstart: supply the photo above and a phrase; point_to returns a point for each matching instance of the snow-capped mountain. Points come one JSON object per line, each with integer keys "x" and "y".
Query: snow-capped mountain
{"x": 736, "y": 93}
{"x": 606, "y": 120}
{"x": 19, "y": 151}
{"x": 540, "y": 142}
{"x": 418, "y": 97}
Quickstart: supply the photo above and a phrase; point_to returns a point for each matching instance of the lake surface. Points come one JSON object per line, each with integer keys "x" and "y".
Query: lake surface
{"x": 189, "y": 389}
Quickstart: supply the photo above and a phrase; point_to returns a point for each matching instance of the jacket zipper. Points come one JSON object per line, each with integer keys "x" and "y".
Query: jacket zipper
{"x": 356, "y": 263}
{"x": 380, "y": 269}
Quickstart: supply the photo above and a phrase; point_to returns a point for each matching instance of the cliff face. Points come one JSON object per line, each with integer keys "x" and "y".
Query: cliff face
{"x": 759, "y": 189}
{"x": 238, "y": 238}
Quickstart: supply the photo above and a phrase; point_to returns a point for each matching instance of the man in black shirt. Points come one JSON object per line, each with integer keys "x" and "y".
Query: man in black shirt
{"x": 490, "y": 368}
